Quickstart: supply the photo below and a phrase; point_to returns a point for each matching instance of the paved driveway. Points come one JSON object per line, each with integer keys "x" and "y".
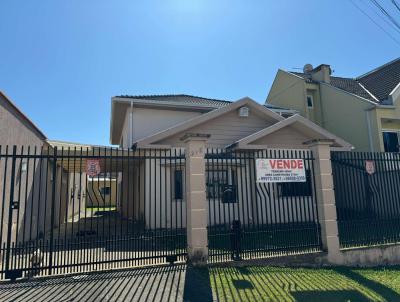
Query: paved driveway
{"x": 147, "y": 284}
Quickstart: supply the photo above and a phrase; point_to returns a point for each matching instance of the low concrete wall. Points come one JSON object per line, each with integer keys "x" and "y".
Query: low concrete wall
{"x": 362, "y": 257}
{"x": 372, "y": 256}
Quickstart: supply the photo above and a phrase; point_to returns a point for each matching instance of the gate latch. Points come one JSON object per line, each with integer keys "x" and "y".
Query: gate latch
{"x": 15, "y": 205}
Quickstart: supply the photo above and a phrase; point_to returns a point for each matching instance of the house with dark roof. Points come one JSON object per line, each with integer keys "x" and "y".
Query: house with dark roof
{"x": 136, "y": 117}
{"x": 364, "y": 110}
{"x": 141, "y": 124}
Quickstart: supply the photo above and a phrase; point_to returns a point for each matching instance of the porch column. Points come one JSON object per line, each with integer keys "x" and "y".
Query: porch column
{"x": 326, "y": 198}
{"x": 196, "y": 205}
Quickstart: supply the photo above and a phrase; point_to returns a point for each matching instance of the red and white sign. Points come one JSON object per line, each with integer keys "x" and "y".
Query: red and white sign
{"x": 370, "y": 167}
{"x": 93, "y": 167}
{"x": 280, "y": 170}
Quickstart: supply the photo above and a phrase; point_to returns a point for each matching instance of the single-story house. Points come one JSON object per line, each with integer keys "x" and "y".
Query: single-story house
{"x": 156, "y": 124}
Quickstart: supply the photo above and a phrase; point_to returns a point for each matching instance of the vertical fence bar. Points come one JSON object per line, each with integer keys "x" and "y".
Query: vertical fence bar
{"x": 10, "y": 208}
{"x": 53, "y": 199}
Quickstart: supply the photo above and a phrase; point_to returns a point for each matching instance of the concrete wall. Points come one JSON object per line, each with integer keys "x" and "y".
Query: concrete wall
{"x": 372, "y": 256}
{"x": 14, "y": 130}
{"x": 33, "y": 189}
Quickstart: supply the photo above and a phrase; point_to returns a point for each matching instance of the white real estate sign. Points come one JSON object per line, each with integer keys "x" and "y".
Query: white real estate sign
{"x": 280, "y": 170}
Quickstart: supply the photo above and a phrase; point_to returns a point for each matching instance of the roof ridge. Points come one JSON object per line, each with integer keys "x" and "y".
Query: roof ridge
{"x": 172, "y": 95}
{"x": 377, "y": 69}
{"x": 366, "y": 90}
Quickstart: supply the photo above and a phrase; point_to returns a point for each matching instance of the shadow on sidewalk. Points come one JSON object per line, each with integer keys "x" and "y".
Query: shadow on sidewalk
{"x": 164, "y": 283}
{"x": 197, "y": 285}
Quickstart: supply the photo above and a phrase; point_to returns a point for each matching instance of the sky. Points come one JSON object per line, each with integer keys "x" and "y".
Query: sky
{"x": 62, "y": 61}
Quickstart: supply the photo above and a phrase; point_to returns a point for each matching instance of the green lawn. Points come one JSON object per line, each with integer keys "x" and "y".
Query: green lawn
{"x": 303, "y": 284}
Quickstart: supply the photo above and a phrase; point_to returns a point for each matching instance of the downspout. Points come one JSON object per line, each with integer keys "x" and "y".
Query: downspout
{"x": 131, "y": 125}
{"x": 321, "y": 106}
{"x": 371, "y": 145}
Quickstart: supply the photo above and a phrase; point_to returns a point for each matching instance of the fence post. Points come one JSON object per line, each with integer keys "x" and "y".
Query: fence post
{"x": 196, "y": 205}
{"x": 326, "y": 199}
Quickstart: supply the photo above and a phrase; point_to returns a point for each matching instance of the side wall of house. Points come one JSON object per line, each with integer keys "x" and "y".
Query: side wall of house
{"x": 288, "y": 91}
{"x": 15, "y": 130}
{"x": 148, "y": 121}
{"x": 345, "y": 115}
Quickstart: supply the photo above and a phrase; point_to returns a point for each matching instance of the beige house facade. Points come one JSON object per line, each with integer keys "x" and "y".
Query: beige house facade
{"x": 364, "y": 110}
{"x": 239, "y": 125}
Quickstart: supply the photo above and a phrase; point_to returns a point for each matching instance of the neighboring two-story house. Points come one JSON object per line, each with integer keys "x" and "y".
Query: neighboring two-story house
{"x": 364, "y": 110}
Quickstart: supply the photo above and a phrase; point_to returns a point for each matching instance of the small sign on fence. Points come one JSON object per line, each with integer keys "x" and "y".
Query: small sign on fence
{"x": 280, "y": 170}
{"x": 370, "y": 167}
{"x": 93, "y": 167}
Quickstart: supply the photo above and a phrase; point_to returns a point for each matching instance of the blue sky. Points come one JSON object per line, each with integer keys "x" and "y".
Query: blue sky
{"x": 62, "y": 61}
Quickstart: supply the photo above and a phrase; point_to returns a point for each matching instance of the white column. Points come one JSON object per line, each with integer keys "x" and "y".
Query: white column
{"x": 325, "y": 196}
{"x": 196, "y": 205}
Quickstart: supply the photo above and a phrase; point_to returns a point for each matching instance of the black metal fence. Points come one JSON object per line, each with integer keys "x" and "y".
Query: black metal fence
{"x": 367, "y": 193}
{"x": 250, "y": 219}
{"x": 81, "y": 209}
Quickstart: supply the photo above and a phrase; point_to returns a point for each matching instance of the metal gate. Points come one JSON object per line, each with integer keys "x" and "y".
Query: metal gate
{"x": 367, "y": 194}
{"x": 249, "y": 219}
{"x": 75, "y": 209}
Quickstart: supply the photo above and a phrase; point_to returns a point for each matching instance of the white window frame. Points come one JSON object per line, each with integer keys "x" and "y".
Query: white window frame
{"x": 230, "y": 181}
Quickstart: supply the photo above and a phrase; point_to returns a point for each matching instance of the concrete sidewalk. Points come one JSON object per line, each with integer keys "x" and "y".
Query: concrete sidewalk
{"x": 166, "y": 283}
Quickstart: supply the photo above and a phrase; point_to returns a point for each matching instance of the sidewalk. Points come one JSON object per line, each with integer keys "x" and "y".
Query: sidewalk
{"x": 147, "y": 284}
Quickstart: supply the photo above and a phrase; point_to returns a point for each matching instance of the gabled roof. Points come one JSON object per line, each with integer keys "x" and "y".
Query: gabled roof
{"x": 346, "y": 84}
{"x": 167, "y": 101}
{"x": 381, "y": 81}
{"x": 207, "y": 117}
{"x": 374, "y": 86}
{"x": 298, "y": 122}
{"x": 22, "y": 116}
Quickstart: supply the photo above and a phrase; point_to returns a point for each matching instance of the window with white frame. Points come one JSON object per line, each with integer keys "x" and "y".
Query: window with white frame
{"x": 222, "y": 185}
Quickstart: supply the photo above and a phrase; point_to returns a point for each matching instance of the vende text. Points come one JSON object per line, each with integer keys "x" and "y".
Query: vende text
{"x": 286, "y": 163}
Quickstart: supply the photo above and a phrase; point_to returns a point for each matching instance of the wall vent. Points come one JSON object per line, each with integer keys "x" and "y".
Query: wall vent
{"x": 244, "y": 111}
